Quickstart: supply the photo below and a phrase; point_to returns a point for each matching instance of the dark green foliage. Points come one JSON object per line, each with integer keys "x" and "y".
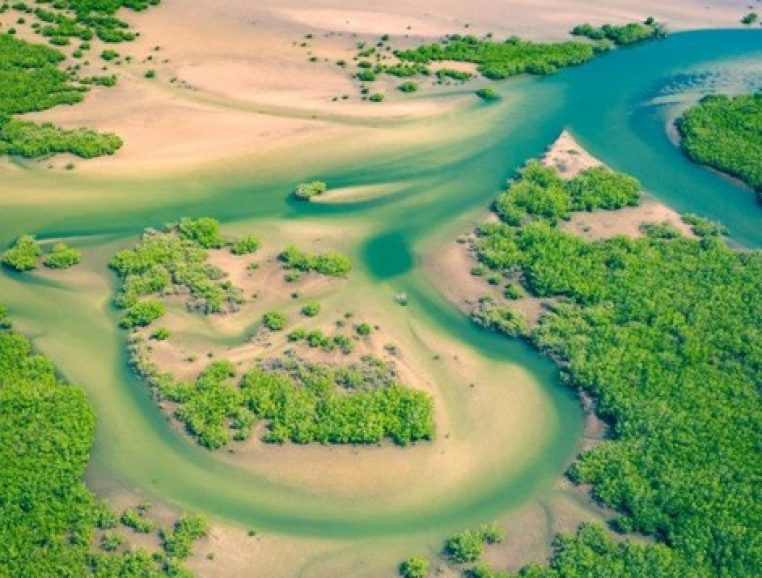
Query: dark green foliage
{"x": 665, "y": 333}
{"x": 304, "y": 403}
{"x": 305, "y": 191}
{"x": 453, "y": 74}
{"x": 207, "y": 406}
{"x": 630, "y": 33}
{"x": 161, "y": 334}
{"x": 726, "y": 134}
{"x": 31, "y": 140}
{"x": 376, "y": 97}
{"x": 405, "y": 70}
{"x": 467, "y": 546}
{"x": 750, "y": 18}
{"x": 332, "y": 264}
{"x": 85, "y": 19}
{"x": 501, "y": 59}
{"x": 205, "y": 232}
{"x": 62, "y": 257}
{"x": 704, "y": 227}
{"x": 363, "y": 329}
{"x": 31, "y": 81}
{"x": 24, "y": 255}
{"x": 137, "y": 521}
{"x": 366, "y": 75}
{"x": 593, "y": 553}
{"x": 311, "y": 309}
{"x": 245, "y": 245}
{"x": 274, "y": 320}
{"x": 47, "y": 515}
{"x": 178, "y": 542}
{"x": 175, "y": 261}
{"x": 408, "y": 86}
{"x": 539, "y": 192}
{"x": 415, "y": 567}
{"x": 143, "y": 313}
{"x": 488, "y": 94}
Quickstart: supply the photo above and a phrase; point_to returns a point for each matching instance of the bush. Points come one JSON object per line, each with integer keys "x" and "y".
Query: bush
{"x": 408, "y": 86}
{"x": 750, "y": 18}
{"x": 137, "y": 521}
{"x": 311, "y": 309}
{"x": 332, "y": 264}
{"x": 305, "y": 191}
{"x": 178, "y": 542}
{"x": 24, "y": 255}
{"x": 161, "y": 334}
{"x": 142, "y": 314}
{"x": 376, "y": 97}
{"x": 274, "y": 320}
{"x": 415, "y": 567}
{"x": 363, "y": 329}
{"x": 245, "y": 245}
{"x": 488, "y": 94}
{"x": 204, "y": 231}
{"x": 467, "y": 546}
{"x": 62, "y": 257}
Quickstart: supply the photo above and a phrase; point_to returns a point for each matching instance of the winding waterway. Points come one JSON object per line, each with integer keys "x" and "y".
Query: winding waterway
{"x": 616, "y": 106}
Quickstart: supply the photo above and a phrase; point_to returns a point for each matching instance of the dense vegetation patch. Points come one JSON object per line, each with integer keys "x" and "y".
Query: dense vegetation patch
{"x": 624, "y": 34}
{"x": 330, "y": 263}
{"x": 174, "y": 262}
{"x": 498, "y": 60}
{"x": 62, "y": 20}
{"x": 726, "y": 134}
{"x": 48, "y": 517}
{"x": 31, "y": 81}
{"x": 305, "y": 191}
{"x": 26, "y": 251}
{"x": 665, "y": 333}
{"x": 302, "y": 402}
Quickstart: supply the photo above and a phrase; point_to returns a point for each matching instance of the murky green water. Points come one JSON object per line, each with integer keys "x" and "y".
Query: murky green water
{"x": 616, "y": 106}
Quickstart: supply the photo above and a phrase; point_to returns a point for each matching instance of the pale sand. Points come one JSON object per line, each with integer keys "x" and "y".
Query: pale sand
{"x": 569, "y": 159}
{"x": 244, "y": 85}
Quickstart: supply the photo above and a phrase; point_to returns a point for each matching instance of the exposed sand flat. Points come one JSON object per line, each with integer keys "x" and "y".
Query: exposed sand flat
{"x": 243, "y": 83}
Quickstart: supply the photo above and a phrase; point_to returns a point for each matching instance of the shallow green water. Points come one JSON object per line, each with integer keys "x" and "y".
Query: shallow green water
{"x": 443, "y": 188}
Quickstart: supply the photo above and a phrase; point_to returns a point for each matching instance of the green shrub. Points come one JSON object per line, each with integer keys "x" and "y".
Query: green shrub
{"x": 137, "y": 521}
{"x": 363, "y": 329}
{"x": 245, "y": 245}
{"x": 311, "y": 309}
{"x": 305, "y": 191}
{"x": 204, "y": 231}
{"x": 408, "y": 86}
{"x": 415, "y": 567}
{"x": 376, "y": 97}
{"x": 161, "y": 334}
{"x": 467, "y": 546}
{"x": 142, "y": 313}
{"x": 750, "y": 18}
{"x": 24, "y": 255}
{"x": 274, "y": 320}
{"x": 332, "y": 264}
{"x": 488, "y": 94}
{"x": 62, "y": 257}
{"x": 178, "y": 542}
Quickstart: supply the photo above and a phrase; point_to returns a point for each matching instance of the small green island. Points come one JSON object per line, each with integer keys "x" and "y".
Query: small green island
{"x": 724, "y": 133}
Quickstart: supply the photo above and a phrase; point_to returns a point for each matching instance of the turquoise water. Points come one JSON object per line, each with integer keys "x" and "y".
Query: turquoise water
{"x": 443, "y": 188}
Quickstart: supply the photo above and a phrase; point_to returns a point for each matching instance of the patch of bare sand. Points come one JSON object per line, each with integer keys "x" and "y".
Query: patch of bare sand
{"x": 450, "y": 268}
{"x": 569, "y": 159}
